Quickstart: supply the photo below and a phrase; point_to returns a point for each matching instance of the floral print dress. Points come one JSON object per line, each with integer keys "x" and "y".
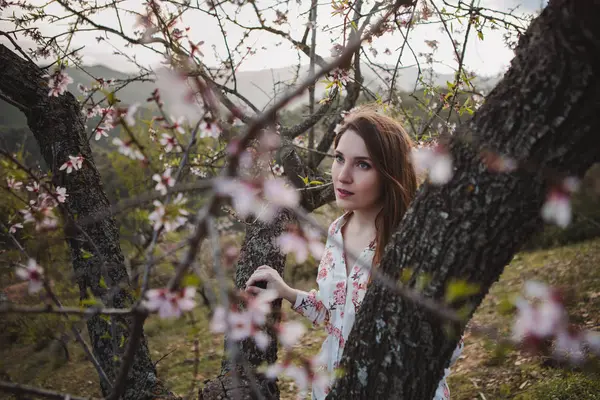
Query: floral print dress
{"x": 337, "y": 301}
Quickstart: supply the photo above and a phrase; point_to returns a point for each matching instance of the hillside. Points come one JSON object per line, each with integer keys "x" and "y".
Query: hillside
{"x": 483, "y": 372}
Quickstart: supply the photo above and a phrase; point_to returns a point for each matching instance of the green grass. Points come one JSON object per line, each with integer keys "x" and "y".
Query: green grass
{"x": 483, "y": 372}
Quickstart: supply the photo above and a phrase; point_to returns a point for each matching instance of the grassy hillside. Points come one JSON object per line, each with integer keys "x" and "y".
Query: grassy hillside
{"x": 481, "y": 373}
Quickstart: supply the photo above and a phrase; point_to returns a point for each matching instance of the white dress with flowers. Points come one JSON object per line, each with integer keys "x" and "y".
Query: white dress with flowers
{"x": 337, "y": 301}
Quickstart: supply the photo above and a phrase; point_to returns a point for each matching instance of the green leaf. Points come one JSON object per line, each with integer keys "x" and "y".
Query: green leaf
{"x": 315, "y": 183}
{"x": 191, "y": 280}
{"x": 106, "y": 335}
{"x": 480, "y": 35}
{"x": 86, "y": 254}
{"x": 459, "y": 289}
{"x": 122, "y": 343}
{"x": 102, "y": 283}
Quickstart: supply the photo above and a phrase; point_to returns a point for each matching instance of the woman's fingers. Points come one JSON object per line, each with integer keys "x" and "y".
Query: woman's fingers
{"x": 257, "y": 276}
{"x": 254, "y": 289}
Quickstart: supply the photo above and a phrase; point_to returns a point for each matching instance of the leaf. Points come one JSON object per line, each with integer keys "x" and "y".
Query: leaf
{"x": 305, "y": 180}
{"x": 460, "y": 289}
{"x": 480, "y": 35}
{"x": 191, "y": 280}
{"x": 315, "y": 183}
{"x": 86, "y": 254}
{"x": 102, "y": 283}
{"x": 122, "y": 343}
{"x": 106, "y": 335}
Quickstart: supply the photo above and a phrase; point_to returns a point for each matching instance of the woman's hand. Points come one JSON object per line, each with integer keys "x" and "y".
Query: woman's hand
{"x": 274, "y": 281}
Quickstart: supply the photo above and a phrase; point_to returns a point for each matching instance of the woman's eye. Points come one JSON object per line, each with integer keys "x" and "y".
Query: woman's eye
{"x": 339, "y": 158}
{"x": 364, "y": 165}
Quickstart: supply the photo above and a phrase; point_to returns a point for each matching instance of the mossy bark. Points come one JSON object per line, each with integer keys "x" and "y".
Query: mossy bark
{"x": 546, "y": 111}
{"x": 59, "y": 131}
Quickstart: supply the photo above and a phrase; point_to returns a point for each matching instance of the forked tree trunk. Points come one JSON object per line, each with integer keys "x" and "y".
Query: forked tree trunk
{"x": 59, "y": 131}
{"x": 546, "y": 111}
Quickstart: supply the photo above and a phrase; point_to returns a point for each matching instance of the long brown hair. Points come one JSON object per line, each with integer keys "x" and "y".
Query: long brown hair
{"x": 389, "y": 148}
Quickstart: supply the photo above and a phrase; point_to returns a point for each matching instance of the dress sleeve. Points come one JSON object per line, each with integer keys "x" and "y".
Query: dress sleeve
{"x": 310, "y": 305}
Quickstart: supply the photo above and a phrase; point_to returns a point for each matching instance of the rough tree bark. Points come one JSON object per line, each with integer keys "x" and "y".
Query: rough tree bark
{"x": 546, "y": 111}
{"x": 59, "y": 131}
{"x": 258, "y": 249}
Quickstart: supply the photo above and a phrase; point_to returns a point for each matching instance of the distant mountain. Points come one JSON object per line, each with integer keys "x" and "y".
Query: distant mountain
{"x": 264, "y": 86}
{"x": 260, "y": 87}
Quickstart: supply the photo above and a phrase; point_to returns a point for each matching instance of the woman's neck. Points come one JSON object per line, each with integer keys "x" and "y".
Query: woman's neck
{"x": 363, "y": 221}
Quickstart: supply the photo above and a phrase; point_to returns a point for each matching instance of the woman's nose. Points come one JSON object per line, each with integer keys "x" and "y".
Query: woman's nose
{"x": 345, "y": 175}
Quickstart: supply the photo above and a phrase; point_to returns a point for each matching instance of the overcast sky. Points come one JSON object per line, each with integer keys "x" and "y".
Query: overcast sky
{"x": 486, "y": 57}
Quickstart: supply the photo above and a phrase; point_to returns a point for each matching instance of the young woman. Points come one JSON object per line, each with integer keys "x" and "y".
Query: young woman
{"x": 374, "y": 181}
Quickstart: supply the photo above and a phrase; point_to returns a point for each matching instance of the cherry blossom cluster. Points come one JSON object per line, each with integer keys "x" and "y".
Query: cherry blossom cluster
{"x": 557, "y": 207}
{"x": 434, "y": 160}
{"x": 164, "y": 181}
{"x": 74, "y": 163}
{"x": 546, "y": 322}
{"x": 170, "y": 304}
{"x": 259, "y": 197}
{"x": 277, "y": 169}
{"x": 308, "y": 372}
{"x": 41, "y": 205}
{"x": 58, "y": 82}
{"x": 301, "y": 242}
{"x": 169, "y": 216}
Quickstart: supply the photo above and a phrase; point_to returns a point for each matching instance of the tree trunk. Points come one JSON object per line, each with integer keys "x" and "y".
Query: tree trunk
{"x": 258, "y": 249}
{"x": 546, "y": 111}
{"x": 58, "y": 128}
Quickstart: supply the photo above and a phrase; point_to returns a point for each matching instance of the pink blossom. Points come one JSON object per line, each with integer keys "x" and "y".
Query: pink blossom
{"x": 277, "y": 169}
{"x": 61, "y": 194}
{"x": 82, "y": 88}
{"x": 289, "y": 333}
{"x": 130, "y": 114}
{"x": 58, "y": 82}
{"x": 541, "y": 320}
{"x": 436, "y": 161}
{"x": 34, "y": 187}
{"x": 269, "y": 140}
{"x": 178, "y": 125}
{"x": 259, "y": 306}
{"x": 569, "y": 346}
{"x": 311, "y": 372}
{"x": 557, "y": 208}
{"x": 74, "y": 163}
{"x": 163, "y": 181}
{"x": 243, "y": 195}
{"x": 238, "y": 326}
{"x": 170, "y": 304}
{"x": 301, "y": 243}
{"x": 13, "y": 228}
{"x": 170, "y": 143}
{"x": 209, "y": 128}
{"x": 13, "y": 184}
{"x": 127, "y": 149}
{"x": 42, "y": 215}
{"x": 170, "y": 217}
{"x": 280, "y": 193}
{"x": 32, "y": 273}
{"x": 100, "y": 132}
{"x": 498, "y": 162}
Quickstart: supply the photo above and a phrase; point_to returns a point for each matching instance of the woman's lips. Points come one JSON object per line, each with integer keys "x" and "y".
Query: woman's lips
{"x": 344, "y": 193}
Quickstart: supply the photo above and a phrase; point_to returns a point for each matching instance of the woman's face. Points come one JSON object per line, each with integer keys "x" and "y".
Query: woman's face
{"x": 356, "y": 182}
